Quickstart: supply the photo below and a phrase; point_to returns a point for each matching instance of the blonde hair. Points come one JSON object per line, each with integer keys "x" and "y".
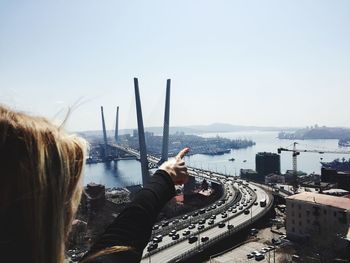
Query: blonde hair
{"x": 40, "y": 170}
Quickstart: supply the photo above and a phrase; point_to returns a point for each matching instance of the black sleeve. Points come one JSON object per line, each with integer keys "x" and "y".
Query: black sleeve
{"x": 133, "y": 226}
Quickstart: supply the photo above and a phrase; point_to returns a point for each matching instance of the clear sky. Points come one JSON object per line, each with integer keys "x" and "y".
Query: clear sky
{"x": 266, "y": 63}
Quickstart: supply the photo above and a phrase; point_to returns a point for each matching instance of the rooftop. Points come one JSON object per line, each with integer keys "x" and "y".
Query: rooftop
{"x": 315, "y": 198}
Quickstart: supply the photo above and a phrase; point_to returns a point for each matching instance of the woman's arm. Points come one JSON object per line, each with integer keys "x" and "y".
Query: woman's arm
{"x": 133, "y": 226}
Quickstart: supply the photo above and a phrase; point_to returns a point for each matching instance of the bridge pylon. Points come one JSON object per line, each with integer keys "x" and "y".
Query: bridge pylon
{"x": 105, "y": 146}
{"x": 141, "y": 134}
{"x": 165, "y": 146}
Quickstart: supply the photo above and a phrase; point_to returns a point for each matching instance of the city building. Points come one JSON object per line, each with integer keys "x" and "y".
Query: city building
{"x": 317, "y": 217}
{"x": 249, "y": 174}
{"x": 274, "y": 179}
{"x": 342, "y": 179}
{"x": 267, "y": 163}
{"x": 336, "y": 192}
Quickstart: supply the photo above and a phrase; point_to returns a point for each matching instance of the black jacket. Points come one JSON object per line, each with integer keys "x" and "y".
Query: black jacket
{"x": 133, "y": 226}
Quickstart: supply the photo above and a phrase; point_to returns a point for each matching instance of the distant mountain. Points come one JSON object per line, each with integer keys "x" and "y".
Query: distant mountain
{"x": 215, "y": 127}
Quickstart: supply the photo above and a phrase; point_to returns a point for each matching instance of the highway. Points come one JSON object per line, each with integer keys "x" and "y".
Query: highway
{"x": 236, "y": 219}
{"x": 239, "y": 196}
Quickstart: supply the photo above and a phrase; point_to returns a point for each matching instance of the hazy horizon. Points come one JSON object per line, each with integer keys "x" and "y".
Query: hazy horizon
{"x": 258, "y": 63}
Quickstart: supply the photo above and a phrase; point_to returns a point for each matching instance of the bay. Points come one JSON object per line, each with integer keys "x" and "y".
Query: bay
{"x": 128, "y": 172}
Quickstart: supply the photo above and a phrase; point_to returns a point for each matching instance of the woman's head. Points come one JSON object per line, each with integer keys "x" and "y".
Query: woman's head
{"x": 40, "y": 170}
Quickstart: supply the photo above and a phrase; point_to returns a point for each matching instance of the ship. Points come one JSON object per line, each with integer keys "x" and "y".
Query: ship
{"x": 231, "y": 159}
{"x": 338, "y": 165}
{"x": 344, "y": 142}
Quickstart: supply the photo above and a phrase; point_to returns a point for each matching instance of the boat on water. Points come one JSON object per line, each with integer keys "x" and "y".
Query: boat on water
{"x": 231, "y": 159}
{"x": 339, "y": 165}
{"x": 245, "y": 161}
{"x": 344, "y": 142}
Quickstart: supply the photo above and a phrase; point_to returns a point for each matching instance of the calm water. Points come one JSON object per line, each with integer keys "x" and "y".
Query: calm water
{"x": 127, "y": 172}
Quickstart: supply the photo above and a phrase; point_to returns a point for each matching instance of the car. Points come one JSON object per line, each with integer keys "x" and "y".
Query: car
{"x": 264, "y": 250}
{"x": 234, "y": 211}
{"x": 157, "y": 239}
{"x": 259, "y": 256}
{"x": 155, "y": 227}
{"x": 246, "y": 212}
{"x": 250, "y": 255}
{"x": 184, "y": 217}
{"x": 256, "y": 203}
{"x": 186, "y": 232}
{"x": 254, "y": 189}
{"x": 172, "y": 232}
{"x": 201, "y": 222}
{"x": 255, "y": 252}
{"x": 229, "y": 209}
{"x": 229, "y": 226}
{"x": 221, "y": 224}
{"x": 240, "y": 207}
{"x": 166, "y": 223}
{"x": 175, "y": 236}
{"x": 200, "y": 227}
{"x": 224, "y": 215}
{"x": 191, "y": 226}
{"x": 202, "y": 211}
{"x": 192, "y": 239}
{"x": 211, "y": 221}
{"x": 254, "y": 231}
{"x": 152, "y": 246}
{"x": 271, "y": 248}
{"x": 195, "y": 213}
{"x": 276, "y": 241}
{"x": 213, "y": 217}
{"x": 175, "y": 222}
{"x": 204, "y": 239}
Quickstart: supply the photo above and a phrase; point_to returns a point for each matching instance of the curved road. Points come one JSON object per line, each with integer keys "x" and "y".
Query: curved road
{"x": 235, "y": 219}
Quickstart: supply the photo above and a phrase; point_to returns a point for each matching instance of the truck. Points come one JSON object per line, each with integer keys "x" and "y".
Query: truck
{"x": 263, "y": 202}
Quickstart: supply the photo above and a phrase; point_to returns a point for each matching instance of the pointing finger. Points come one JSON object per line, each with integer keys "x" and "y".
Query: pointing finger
{"x": 182, "y": 153}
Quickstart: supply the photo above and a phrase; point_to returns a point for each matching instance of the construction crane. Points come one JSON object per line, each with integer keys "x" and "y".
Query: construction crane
{"x": 297, "y": 152}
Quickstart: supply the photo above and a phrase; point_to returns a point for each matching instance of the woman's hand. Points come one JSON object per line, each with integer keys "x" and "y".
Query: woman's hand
{"x": 176, "y": 167}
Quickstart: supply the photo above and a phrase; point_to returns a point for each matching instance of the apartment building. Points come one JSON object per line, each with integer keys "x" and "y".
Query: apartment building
{"x": 311, "y": 215}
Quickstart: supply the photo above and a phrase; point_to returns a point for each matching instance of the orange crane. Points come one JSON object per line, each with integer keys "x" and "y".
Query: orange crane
{"x": 296, "y": 152}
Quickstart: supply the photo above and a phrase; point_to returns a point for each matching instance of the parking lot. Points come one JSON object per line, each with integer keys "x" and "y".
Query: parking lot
{"x": 259, "y": 244}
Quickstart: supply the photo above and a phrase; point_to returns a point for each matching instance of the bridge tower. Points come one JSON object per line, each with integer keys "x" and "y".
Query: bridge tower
{"x": 116, "y": 126}
{"x": 165, "y": 147}
{"x": 105, "y": 154}
{"x": 141, "y": 133}
{"x": 116, "y": 132}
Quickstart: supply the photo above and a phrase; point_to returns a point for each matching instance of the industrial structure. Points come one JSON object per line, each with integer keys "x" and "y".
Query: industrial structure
{"x": 297, "y": 152}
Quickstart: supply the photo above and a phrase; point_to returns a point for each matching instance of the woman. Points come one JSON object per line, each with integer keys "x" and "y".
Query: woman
{"x": 40, "y": 172}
